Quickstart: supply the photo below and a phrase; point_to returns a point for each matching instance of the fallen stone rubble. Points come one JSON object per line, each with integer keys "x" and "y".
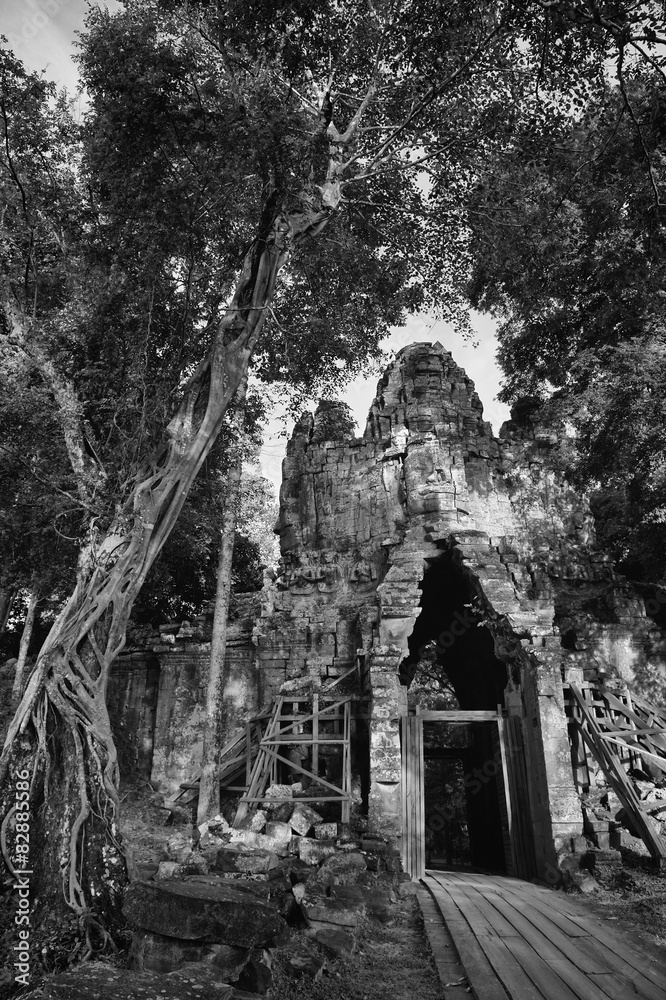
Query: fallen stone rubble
{"x": 296, "y": 889}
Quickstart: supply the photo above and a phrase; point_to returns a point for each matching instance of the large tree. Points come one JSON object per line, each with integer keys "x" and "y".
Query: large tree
{"x": 277, "y": 181}
{"x": 568, "y": 230}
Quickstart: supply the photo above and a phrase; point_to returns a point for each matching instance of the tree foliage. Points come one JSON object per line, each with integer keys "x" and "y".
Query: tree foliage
{"x": 567, "y": 234}
{"x": 278, "y": 182}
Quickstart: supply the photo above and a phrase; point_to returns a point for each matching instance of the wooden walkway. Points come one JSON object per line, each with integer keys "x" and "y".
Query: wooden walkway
{"x": 520, "y": 941}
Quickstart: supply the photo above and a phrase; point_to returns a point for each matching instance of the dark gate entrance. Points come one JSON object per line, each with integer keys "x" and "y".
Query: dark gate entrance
{"x": 464, "y": 794}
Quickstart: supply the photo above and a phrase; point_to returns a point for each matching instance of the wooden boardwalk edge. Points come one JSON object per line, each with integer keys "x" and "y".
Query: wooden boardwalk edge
{"x": 520, "y": 942}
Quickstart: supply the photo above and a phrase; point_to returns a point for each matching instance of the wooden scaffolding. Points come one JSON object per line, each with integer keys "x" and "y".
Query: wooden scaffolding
{"x": 619, "y": 731}
{"x": 290, "y": 737}
{"x": 304, "y": 725}
{"x": 236, "y": 759}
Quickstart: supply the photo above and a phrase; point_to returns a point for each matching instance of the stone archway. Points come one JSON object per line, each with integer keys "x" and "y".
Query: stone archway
{"x": 450, "y": 632}
{"x": 453, "y": 663}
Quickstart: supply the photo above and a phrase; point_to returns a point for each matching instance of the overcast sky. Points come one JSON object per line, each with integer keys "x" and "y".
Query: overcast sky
{"x": 42, "y": 34}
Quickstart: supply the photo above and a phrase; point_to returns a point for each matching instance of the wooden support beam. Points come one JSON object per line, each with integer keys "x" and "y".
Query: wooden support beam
{"x": 315, "y": 734}
{"x": 456, "y": 715}
{"x": 604, "y": 753}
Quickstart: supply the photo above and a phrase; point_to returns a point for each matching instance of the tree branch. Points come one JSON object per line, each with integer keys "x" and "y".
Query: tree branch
{"x": 89, "y": 474}
{"x": 435, "y": 91}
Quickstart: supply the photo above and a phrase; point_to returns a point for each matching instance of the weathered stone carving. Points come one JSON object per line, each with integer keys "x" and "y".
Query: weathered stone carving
{"x": 428, "y": 494}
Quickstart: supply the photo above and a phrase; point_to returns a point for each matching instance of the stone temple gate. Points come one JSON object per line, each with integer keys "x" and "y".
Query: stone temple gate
{"x": 387, "y": 540}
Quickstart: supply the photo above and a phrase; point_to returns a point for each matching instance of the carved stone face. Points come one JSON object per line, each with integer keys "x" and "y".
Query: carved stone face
{"x": 288, "y": 537}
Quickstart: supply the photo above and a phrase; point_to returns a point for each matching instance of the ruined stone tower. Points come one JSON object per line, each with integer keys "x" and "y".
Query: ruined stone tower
{"x": 387, "y": 538}
{"x": 428, "y": 533}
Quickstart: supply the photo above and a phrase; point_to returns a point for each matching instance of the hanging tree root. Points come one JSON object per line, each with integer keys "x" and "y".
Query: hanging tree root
{"x": 69, "y": 717}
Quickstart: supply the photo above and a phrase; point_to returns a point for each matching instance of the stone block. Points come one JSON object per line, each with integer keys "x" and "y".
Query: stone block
{"x": 304, "y": 966}
{"x": 324, "y": 911}
{"x": 274, "y": 792}
{"x": 325, "y": 831}
{"x": 261, "y": 841}
{"x": 99, "y": 979}
{"x": 280, "y": 833}
{"x": 313, "y": 852}
{"x": 377, "y": 902}
{"x": 335, "y": 942}
{"x": 191, "y": 911}
{"x": 303, "y": 818}
{"x": 342, "y": 868}
{"x": 258, "y": 820}
{"x": 256, "y": 977}
{"x": 409, "y": 889}
{"x": 298, "y": 871}
{"x": 251, "y": 860}
{"x": 159, "y": 953}
{"x": 282, "y": 813}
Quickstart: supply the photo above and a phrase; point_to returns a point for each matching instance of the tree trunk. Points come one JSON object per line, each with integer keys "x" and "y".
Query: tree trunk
{"x": 24, "y": 645}
{"x": 61, "y": 736}
{"x": 7, "y": 596}
{"x": 214, "y": 722}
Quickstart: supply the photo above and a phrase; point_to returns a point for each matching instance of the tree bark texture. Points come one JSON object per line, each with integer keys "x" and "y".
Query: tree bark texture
{"x": 24, "y": 645}
{"x": 7, "y": 597}
{"x": 214, "y": 727}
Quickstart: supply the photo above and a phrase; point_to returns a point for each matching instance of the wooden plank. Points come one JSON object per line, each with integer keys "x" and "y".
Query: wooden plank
{"x": 541, "y": 919}
{"x": 544, "y": 977}
{"x": 478, "y": 970}
{"x": 342, "y": 677}
{"x": 315, "y": 734}
{"x": 411, "y": 791}
{"x": 248, "y": 753}
{"x": 579, "y": 974}
{"x": 419, "y": 800}
{"x": 513, "y": 861}
{"x": 456, "y": 715}
{"x": 296, "y": 739}
{"x": 549, "y": 907}
{"x": 510, "y": 972}
{"x": 472, "y": 900}
{"x": 615, "y": 987}
{"x": 404, "y": 846}
{"x": 522, "y": 838}
{"x": 636, "y": 973}
{"x": 296, "y": 799}
{"x": 274, "y": 755}
{"x": 656, "y": 758}
{"x": 614, "y": 948}
{"x": 617, "y": 777}
{"x": 441, "y": 943}
{"x": 504, "y": 796}
{"x": 544, "y": 937}
{"x": 346, "y": 767}
{"x": 642, "y": 986}
{"x": 322, "y": 712}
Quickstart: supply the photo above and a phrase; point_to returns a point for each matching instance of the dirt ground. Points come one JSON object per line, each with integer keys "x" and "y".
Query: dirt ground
{"x": 633, "y": 897}
{"x": 391, "y": 961}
